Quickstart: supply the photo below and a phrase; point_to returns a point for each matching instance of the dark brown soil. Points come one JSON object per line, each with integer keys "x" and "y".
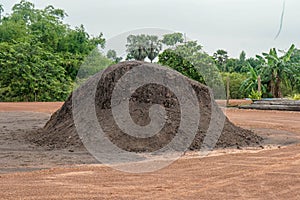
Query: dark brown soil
{"x": 60, "y": 132}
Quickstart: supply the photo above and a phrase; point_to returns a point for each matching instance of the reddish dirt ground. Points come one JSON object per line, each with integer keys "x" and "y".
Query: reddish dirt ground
{"x": 234, "y": 102}
{"x": 279, "y": 120}
{"x": 272, "y": 173}
{"x": 44, "y": 107}
{"x": 50, "y": 107}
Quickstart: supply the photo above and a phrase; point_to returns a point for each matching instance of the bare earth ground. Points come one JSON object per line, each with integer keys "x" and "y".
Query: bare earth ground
{"x": 269, "y": 173}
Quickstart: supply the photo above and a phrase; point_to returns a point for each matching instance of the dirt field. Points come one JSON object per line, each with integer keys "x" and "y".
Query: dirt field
{"x": 42, "y": 107}
{"x": 269, "y": 173}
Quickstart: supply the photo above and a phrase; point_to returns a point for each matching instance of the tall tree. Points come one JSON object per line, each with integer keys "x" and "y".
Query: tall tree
{"x": 154, "y": 47}
{"x": 242, "y": 63}
{"x": 243, "y": 56}
{"x": 31, "y": 73}
{"x": 179, "y": 63}
{"x": 251, "y": 83}
{"x": 295, "y": 78}
{"x": 139, "y": 47}
{"x": 172, "y": 39}
{"x": 39, "y": 54}
{"x": 221, "y": 57}
{"x": 277, "y": 69}
{"x": 190, "y": 60}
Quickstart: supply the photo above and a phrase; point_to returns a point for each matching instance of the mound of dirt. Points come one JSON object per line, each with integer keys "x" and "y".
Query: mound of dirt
{"x": 60, "y": 131}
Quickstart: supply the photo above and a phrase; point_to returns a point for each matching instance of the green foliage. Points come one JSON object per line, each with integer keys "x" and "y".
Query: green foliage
{"x": 30, "y": 73}
{"x": 220, "y": 58}
{"x": 254, "y": 62}
{"x": 296, "y": 97}
{"x": 236, "y": 80}
{"x": 279, "y": 71}
{"x": 40, "y": 57}
{"x": 92, "y": 64}
{"x": 182, "y": 59}
{"x": 172, "y": 39}
{"x": 242, "y": 63}
{"x": 294, "y": 83}
{"x": 39, "y": 54}
{"x": 140, "y": 47}
{"x": 190, "y": 60}
{"x": 112, "y": 55}
{"x": 280, "y": 75}
{"x": 239, "y": 65}
{"x": 251, "y": 83}
{"x": 255, "y": 95}
{"x": 172, "y": 59}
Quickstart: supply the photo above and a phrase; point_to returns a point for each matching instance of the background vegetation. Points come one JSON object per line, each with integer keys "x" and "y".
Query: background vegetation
{"x": 39, "y": 54}
{"x": 40, "y": 57}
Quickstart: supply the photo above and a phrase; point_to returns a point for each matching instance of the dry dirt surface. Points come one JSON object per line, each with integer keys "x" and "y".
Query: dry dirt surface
{"x": 27, "y": 172}
{"x": 43, "y": 107}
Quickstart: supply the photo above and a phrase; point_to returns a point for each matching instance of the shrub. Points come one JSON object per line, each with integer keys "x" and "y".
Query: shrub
{"x": 236, "y": 80}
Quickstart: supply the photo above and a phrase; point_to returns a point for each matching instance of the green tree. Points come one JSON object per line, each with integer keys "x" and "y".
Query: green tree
{"x": 190, "y": 60}
{"x": 172, "y": 59}
{"x": 254, "y": 62}
{"x": 172, "y": 39}
{"x": 40, "y": 55}
{"x": 30, "y": 73}
{"x": 139, "y": 47}
{"x": 295, "y": 77}
{"x": 241, "y": 63}
{"x": 93, "y": 63}
{"x": 277, "y": 69}
{"x": 230, "y": 65}
{"x": 221, "y": 57}
{"x": 236, "y": 80}
{"x": 154, "y": 48}
{"x": 251, "y": 83}
{"x": 181, "y": 60}
{"x": 12, "y": 30}
{"x": 112, "y": 54}
{"x": 243, "y": 56}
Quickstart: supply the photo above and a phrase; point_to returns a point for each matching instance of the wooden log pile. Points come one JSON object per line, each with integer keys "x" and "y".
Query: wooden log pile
{"x": 274, "y": 104}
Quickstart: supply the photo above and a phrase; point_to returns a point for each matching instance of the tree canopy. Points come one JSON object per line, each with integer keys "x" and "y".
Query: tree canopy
{"x": 42, "y": 58}
{"x": 140, "y": 47}
{"x": 39, "y": 54}
{"x": 172, "y": 39}
{"x": 279, "y": 71}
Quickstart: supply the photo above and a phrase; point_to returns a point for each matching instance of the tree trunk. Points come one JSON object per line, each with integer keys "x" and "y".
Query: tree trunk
{"x": 277, "y": 91}
{"x": 272, "y": 86}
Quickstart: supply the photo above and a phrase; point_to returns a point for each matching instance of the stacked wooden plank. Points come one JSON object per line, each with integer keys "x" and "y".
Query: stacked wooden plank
{"x": 274, "y": 104}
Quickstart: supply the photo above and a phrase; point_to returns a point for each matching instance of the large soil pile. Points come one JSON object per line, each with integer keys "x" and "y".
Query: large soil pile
{"x": 60, "y": 132}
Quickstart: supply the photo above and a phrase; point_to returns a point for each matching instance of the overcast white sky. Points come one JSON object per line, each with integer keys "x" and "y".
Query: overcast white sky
{"x": 233, "y": 25}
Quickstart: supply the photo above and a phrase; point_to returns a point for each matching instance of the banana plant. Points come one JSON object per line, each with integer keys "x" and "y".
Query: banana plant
{"x": 276, "y": 69}
{"x": 251, "y": 83}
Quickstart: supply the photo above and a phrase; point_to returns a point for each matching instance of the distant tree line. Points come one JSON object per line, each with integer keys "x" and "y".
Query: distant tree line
{"x": 39, "y": 54}
{"x": 279, "y": 70}
{"x": 42, "y": 59}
